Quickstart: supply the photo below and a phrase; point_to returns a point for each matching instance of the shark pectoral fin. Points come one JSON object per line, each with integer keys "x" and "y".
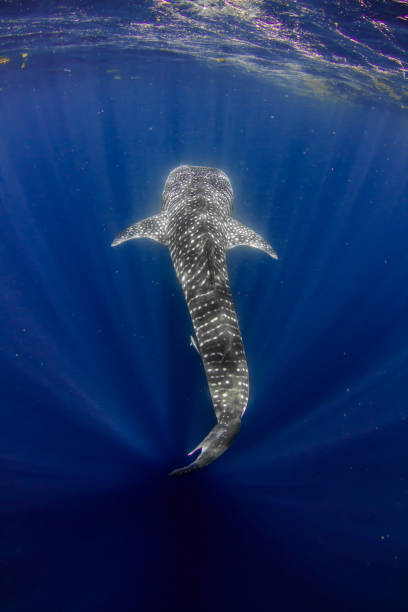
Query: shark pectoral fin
{"x": 213, "y": 445}
{"x": 153, "y": 228}
{"x": 241, "y": 235}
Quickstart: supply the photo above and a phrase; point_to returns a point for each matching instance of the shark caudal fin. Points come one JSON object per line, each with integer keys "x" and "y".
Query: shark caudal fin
{"x": 213, "y": 445}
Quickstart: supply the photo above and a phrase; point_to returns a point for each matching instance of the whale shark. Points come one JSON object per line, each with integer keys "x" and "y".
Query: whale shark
{"x": 195, "y": 223}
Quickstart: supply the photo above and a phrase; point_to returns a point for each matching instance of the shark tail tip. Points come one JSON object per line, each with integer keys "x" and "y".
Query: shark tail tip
{"x": 213, "y": 445}
{"x": 183, "y": 470}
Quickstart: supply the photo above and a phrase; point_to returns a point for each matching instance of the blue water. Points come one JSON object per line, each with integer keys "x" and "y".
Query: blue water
{"x": 102, "y": 394}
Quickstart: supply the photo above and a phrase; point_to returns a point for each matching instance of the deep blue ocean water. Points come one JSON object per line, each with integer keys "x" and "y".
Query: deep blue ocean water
{"x": 102, "y": 394}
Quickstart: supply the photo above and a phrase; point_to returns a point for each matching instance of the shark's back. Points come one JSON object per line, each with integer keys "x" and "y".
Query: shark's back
{"x": 196, "y": 225}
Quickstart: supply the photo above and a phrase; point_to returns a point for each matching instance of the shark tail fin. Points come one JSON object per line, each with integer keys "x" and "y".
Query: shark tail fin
{"x": 214, "y": 444}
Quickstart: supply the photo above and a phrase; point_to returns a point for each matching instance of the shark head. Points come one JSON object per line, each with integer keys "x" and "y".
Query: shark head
{"x": 187, "y": 183}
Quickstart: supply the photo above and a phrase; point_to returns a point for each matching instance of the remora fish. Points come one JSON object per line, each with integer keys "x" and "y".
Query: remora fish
{"x": 196, "y": 225}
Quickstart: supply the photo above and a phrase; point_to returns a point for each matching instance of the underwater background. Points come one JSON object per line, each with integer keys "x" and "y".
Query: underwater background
{"x": 305, "y": 106}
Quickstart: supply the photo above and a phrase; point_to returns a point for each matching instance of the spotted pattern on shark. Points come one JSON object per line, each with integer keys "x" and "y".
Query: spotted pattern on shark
{"x": 195, "y": 223}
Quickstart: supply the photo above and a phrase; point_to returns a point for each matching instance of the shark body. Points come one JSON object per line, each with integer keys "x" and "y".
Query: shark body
{"x": 196, "y": 225}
